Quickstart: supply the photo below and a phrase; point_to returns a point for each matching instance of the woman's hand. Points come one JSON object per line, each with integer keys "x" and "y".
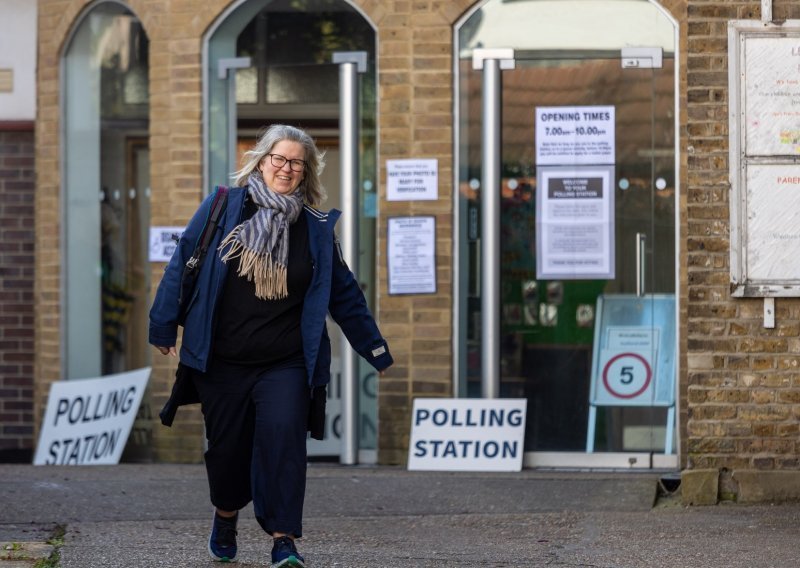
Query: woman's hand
{"x": 167, "y": 350}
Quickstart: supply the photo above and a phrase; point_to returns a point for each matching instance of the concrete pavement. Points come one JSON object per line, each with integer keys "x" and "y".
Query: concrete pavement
{"x": 158, "y": 515}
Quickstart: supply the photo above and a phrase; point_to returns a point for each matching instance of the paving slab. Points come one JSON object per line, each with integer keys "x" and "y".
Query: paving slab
{"x": 158, "y": 515}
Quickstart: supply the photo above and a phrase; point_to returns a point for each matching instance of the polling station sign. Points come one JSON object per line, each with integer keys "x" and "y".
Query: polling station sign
{"x": 87, "y": 421}
{"x": 467, "y": 434}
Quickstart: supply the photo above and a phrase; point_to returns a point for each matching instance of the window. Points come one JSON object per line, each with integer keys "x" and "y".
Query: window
{"x": 106, "y": 195}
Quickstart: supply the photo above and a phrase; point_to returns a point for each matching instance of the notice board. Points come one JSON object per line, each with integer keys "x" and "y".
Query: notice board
{"x": 764, "y": 141}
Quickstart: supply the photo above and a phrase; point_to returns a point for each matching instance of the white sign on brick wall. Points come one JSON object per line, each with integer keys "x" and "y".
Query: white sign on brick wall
{"x": 764, "y": 143}
{"x": 412, "y": 180}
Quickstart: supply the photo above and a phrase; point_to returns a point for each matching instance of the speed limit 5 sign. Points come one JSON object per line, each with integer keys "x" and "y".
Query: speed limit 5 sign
{"x": 626, "y": 377}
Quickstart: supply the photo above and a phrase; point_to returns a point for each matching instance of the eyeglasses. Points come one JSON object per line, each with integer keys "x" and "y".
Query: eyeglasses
{"x": 279, "y": 161}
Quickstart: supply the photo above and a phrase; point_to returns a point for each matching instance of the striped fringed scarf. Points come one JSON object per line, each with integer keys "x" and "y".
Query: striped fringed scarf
{"x": 262, "y": 242}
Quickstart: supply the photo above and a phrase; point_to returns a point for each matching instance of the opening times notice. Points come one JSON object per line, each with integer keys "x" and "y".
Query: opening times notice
{"x": 580, "y": 135}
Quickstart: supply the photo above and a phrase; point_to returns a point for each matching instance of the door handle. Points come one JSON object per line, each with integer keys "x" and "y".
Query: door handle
{"x": 641, "y": 240}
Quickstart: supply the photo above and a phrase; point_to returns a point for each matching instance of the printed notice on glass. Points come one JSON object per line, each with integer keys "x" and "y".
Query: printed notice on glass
{"x": 575, "y": 223}
{"x": 412, "y": 255}
{"x": 575, "y": 135}
{"x": 412, "y": 180}
{"x": 163, "y": 241}
{"x": 772, "y": 96}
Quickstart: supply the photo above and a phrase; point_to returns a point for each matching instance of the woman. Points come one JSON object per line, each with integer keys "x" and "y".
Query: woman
{"x": 254, "y": 337}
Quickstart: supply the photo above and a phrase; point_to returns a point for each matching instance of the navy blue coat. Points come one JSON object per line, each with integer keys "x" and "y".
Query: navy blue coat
{"x": 333, "y": 290}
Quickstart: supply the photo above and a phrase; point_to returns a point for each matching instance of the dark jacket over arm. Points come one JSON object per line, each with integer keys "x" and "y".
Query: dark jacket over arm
{"x": 333, "y": 289}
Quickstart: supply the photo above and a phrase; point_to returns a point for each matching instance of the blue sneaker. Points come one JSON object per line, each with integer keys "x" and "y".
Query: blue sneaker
{"x": 222, "y": 542}
{"x": 284, "y": 554}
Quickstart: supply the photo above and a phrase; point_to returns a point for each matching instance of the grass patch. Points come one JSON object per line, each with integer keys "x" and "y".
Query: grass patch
{"x": 13, "y": 546}
{"x": 56, "y": 540}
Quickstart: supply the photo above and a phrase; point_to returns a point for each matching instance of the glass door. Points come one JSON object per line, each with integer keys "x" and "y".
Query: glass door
{"x": 280, "y": 62}
{"x": 106, "y": 197}
{"x": 586, "y": 234}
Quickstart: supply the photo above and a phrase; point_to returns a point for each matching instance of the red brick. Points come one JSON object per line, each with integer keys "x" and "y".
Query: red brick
{"x": 16, "y": 284}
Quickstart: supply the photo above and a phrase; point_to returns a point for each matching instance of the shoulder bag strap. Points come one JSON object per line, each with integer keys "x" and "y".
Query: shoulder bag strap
{"x": 217, "y": 208}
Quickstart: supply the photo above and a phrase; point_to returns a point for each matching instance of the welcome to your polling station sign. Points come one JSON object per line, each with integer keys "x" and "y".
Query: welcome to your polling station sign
{"x": 467, "y": 434}
{"x": 87, "y": 421}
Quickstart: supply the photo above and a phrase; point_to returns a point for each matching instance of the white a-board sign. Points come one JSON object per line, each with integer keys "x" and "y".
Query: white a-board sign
{"x": 87, "y": 421}
{"x": 633, "y": 362}
{"x": 467, "y": 434}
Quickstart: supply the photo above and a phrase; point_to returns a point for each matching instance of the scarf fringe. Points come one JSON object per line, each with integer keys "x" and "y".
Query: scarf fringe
{"x": 269, "y": 276}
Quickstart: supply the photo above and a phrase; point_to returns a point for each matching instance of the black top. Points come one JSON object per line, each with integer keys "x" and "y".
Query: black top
{"x": 251, "y": 331}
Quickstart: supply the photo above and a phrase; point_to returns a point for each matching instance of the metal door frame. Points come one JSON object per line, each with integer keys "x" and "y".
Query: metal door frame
{"x": 351, "y": 63}
{"x": 491, "y": 61}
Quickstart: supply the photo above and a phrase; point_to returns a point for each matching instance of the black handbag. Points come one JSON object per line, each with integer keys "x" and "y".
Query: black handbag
{"x": 183, "y": 392}
{"x": 192, "y": 268}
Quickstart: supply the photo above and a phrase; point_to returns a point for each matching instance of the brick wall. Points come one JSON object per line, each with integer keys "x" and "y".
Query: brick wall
{"x": 16, "y": 293}
{"x": 174, "y": 29}
{"x": 415, "y": 119}
{"x": 415, "y": 90}
{"x": 742, "y": 385}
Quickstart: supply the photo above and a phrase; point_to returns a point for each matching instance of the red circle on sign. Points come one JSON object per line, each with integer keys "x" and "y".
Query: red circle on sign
{"x": 633, "y": 394}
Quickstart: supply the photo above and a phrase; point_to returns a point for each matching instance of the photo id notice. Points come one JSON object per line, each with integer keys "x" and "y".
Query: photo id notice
{"x": 412, "y": 180}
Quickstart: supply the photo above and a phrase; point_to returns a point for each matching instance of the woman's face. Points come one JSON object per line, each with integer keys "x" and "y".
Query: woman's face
{"x": 284, "y": 179}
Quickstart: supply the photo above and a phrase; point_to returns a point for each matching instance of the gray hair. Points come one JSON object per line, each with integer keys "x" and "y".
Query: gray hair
{"x": 311, "y": 187}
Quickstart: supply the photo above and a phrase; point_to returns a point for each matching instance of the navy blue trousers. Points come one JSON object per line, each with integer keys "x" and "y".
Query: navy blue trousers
{"x": 256, "y": 422}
